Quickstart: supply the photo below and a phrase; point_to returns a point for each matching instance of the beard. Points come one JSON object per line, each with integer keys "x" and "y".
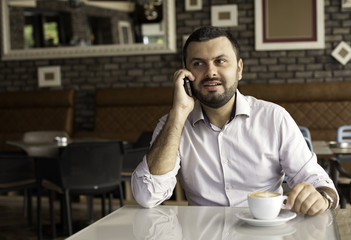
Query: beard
{"x": 213, "y": 99}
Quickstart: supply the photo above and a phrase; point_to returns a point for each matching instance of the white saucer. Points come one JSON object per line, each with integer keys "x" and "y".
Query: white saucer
{"x": 283, "y": 217}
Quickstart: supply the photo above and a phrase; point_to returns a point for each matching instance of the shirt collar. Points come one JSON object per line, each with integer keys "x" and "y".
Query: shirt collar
{"x": 241, "y": 107}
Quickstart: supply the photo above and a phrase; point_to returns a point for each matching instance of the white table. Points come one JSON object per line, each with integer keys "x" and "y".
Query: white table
{"x": 321, "y": 148}
{"x": 212, "y": 223}
{"x": 45, "y": 149}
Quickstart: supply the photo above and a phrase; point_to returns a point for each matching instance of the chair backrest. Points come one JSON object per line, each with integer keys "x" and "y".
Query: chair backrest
{"x": 305, "y": 132}
{"x": 144, "y": 140}
{"x": 344, "y": 134}
{"x": 132, "y": 157}
{"x": 43, "y": 136}
{"x": 16, "y": 170}
{"x": 307, "y": 135}
{"x": 90, "y": 166}
{"x": 309, "y": 143}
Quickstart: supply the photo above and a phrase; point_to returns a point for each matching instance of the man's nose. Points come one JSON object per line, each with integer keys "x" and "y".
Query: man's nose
{"x": 211, "y": 70}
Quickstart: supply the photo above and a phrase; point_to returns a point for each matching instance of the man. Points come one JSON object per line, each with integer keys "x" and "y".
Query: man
{"x": 223, "y": 145}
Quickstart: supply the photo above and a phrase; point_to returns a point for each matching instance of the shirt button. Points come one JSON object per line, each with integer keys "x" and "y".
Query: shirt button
{"x": 225, "y": 161}
{"x": 228, "y": 187}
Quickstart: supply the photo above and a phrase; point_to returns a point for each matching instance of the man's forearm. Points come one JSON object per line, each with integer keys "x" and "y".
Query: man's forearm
{"x": 162, "y": 156}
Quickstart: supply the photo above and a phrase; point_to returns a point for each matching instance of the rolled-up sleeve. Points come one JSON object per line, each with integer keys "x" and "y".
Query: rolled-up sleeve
{"x": 297, "y": 160}
{"x": 151, "y": 190}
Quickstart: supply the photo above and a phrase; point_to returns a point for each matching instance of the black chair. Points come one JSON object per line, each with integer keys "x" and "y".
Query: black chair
{"x": 144, "y": 140}
{"x": 83, "y": 168}
{"x": 17, "y": 173}
{"x": 132, "y": 157}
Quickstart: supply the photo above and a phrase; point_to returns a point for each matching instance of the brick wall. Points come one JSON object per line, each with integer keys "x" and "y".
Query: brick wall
{"x": 85, "y": 75}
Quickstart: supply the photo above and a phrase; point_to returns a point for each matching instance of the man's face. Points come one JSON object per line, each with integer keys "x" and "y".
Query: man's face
{"x": 216, "y": 71}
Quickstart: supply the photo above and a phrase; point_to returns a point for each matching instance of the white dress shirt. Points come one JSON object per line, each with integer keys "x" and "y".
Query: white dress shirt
{"x": 250, "y": 153}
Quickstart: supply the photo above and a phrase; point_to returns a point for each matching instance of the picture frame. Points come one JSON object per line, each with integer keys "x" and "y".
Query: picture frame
{"x": 346, "y": 3}
{"x": 49, "y": 76}
{"x": 297, "y": 24}
{"x": 342, "y": 53}
{"x": 151, "y": 32}
{"x": 224, "y": 15}
{"x": 193, "y": 5}
{"x": 125, "y": 32}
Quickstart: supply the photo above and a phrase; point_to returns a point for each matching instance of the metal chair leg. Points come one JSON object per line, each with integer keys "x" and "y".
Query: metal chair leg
{"x": 110, "y": 200}
{"x": 103, "y": 207}
{"x": 28, "y": 207}
{"x": 121, "y": 196}
{"x": 90, "y": 205}
{"x": 52, "y": 215}
{"x": 68, "y": 212}
{"x": 39, "y": 226}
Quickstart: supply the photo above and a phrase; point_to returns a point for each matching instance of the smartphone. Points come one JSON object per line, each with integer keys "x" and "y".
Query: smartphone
{"x": 187, "y": 84}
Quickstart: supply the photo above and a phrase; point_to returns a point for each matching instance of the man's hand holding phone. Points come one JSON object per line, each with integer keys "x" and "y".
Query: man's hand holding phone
{"x": 181, "y": 96}
{"x": 188, "y": 86}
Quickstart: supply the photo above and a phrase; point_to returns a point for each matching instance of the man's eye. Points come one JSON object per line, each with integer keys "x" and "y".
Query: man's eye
{"x": 220, "y": 61}
{"x": 196, "y": 64}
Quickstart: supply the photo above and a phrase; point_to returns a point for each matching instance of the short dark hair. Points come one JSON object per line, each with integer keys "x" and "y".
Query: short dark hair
{"x": 206, "y": 33}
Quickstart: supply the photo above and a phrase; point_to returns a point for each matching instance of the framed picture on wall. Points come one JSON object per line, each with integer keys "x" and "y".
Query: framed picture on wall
{"x": 193, "y": 5}
{"x": 342, "y": 53}
{"x": 224, "y": 15}
{"x": 285, "y": 25}
{"x": 346, "y": 3}
{"x": 125, "y": 32}
{"x": 49, "y": 76}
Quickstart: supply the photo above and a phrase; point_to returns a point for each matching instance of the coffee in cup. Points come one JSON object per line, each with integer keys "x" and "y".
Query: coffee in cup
{"x": 265, "y": 205}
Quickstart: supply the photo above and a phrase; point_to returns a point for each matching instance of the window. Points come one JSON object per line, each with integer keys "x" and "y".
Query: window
{"x": 46, "y": 29}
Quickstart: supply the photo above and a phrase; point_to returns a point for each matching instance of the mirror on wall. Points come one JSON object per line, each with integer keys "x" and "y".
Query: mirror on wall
{"x": 37, "y": 29}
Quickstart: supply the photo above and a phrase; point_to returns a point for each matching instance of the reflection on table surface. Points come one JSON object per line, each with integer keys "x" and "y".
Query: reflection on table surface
{"x": 190, "y": 222}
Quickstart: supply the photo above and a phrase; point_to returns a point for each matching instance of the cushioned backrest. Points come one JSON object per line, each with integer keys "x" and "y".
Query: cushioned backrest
{"x": 36, "y": 110}
{"x": 40, "y": 98}
{"x": 125, "y": 113}
{"x": 125, "y": 119}
{"x": 30, "y": 119}
{"x": 321, "y": 107}
{"x": 320, "y": 115}
{"x": 134, "y": 96}
{"x": 299, "y": 92}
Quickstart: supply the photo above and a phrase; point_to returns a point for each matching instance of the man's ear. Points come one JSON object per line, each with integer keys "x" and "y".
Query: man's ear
{"x": 240, "y": 69}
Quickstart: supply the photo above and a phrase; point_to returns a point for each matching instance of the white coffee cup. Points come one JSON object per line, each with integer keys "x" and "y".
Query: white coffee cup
{"x": 266, "y": 205}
